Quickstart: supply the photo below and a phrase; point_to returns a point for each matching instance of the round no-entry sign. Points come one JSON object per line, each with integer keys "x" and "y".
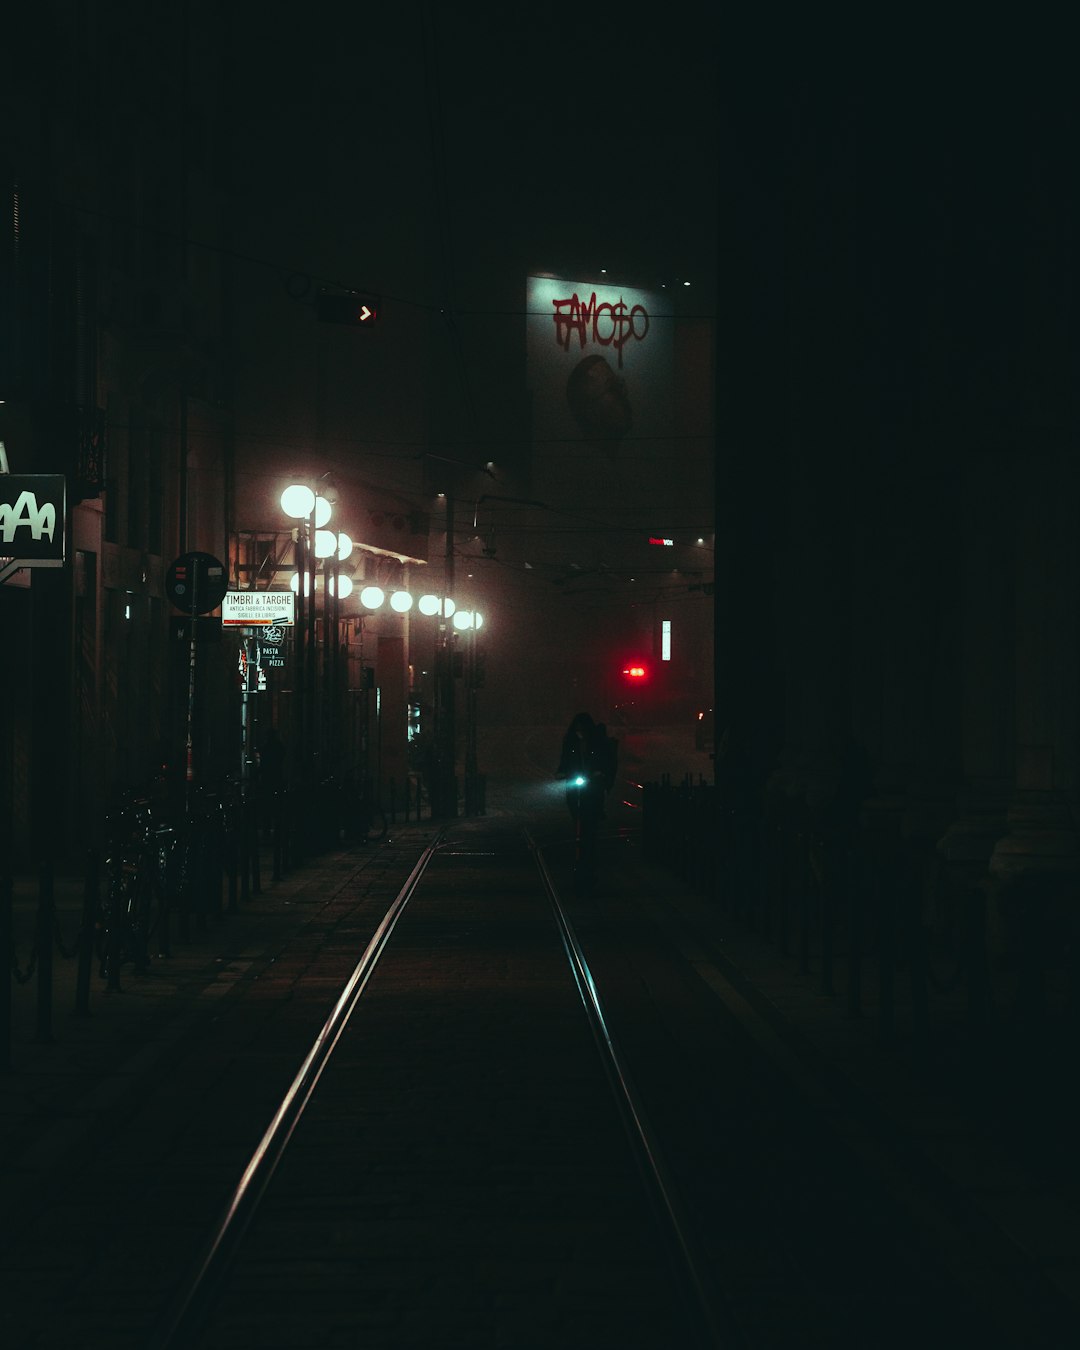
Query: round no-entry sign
{"x": 196, "y": 583}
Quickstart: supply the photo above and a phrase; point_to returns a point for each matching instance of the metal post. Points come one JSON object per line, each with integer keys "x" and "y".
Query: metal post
{"x": 299, "y": 730}
{"x": 189, "y": 769}
{"x": 86, "y": 934}
{"x": 445, "y": 732}
{"x": 333, "y": 693}
{"x": 311, "y": 748}
{"x": 47, "y": 714}
{"x": 7, "y": 946}
{"x": 45, "y": 911}
{"x": 472, "y": 775}
{"x": 7, "y": 882}
{"x": 246, "y": 752}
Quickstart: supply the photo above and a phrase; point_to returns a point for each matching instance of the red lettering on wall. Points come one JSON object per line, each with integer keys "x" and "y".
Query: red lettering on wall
{"x": 608, "y": 325}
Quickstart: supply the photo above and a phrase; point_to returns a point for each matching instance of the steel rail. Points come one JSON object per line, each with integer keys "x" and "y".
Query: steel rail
{"x": 654, "y": 1171}
{"x": 190, "y": 1305}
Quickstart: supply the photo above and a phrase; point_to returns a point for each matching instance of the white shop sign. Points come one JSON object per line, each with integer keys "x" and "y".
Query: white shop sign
{"x": 258, "y": 609}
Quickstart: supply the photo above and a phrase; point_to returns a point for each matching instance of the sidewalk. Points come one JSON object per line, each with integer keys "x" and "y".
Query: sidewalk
{"x": 57, "y": 1091}
{"x": 971, "y": 1150}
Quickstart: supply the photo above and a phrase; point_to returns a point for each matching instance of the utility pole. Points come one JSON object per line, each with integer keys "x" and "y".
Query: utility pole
{"x": 445, "y": 732}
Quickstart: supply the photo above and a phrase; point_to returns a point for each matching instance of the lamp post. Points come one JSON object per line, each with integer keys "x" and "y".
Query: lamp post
{"x": 445, "y": 804}
{"x": 468, "y": 622}
{"x": 441, "y": 608}
{"x": 301, "y": 502}
{"x": 332, "y": 548}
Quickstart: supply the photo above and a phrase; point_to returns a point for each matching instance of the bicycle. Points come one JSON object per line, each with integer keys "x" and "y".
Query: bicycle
{"x": 136, "y": 899}
{"x": 585, "y": 800}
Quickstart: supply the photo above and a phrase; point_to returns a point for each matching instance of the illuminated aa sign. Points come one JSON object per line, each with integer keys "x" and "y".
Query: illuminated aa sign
{"x": 32, "y": 509}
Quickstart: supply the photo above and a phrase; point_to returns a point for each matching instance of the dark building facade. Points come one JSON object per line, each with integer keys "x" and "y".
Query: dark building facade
{"x": 896, "y": 622}
{"x": 113, "y": 375}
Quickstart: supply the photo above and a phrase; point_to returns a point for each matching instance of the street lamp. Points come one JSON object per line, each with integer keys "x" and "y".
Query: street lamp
{"x": 452, "y": 623}
{"x": 298, "y": 501}
{"x": 303, "y": 503}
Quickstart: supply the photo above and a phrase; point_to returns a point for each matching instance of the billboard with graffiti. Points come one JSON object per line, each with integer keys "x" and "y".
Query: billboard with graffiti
{"x": 600, "y": 375}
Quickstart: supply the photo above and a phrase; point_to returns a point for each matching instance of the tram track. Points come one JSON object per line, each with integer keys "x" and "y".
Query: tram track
{"x": 492, "y": 920}
{"x": 190, "y": 1308}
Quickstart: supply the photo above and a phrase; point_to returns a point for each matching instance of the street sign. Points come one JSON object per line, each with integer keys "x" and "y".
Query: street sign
{"x": 258, "y": 609}
{"x": 196, "y": 583}
{"x": 32, "y": 510}
{"x": 269, "y": 658}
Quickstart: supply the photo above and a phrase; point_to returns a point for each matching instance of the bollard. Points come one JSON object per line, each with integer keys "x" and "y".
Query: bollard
{"x": 166, "y": 881}
{"x": 183, "y": 881}
{"x": 45, "y": 911}
{"x": 232, "y": 865}
{"x": 244, "y": 850}
{"x": 256, "y": 860}
{"x": 199, "y": 894}
{"x": 278, "y": 836}
{"x": 86, "y": 934}
{"x": 212, "y": 863}
{"x": 112, "y": 933}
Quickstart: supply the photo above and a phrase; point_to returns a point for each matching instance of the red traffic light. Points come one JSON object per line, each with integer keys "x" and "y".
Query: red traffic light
{"x": 636, "y": 671}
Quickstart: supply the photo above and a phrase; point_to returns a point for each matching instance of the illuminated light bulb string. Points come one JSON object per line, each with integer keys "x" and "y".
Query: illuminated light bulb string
{"x": 374, "y": 597}
{"x": 302, "y": 503}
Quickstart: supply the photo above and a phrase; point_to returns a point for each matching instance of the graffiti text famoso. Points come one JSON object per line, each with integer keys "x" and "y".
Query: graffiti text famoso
{"x": 607, "y": 324}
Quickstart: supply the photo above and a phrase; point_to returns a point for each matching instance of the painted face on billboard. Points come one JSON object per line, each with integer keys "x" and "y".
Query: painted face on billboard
{"x": 598, "y": 399}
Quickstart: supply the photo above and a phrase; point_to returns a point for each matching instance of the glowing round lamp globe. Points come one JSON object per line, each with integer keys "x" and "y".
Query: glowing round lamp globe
{"x": 478, "y": 619}
{"x": 428, "y": 604}
{"x": 448, "y": 607}
{"x": 372, "y": 597}
{"x": 344, "y": 587}
{"x": 463, "y": 620}
{"x": 322, "y": 512}
{"x": 325, "y": 543}
{"x": 294, "y": 584}
{"x": 401, "y": 601}
{"x": 297, "y": 501}
{"x": 345, "y": 547}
